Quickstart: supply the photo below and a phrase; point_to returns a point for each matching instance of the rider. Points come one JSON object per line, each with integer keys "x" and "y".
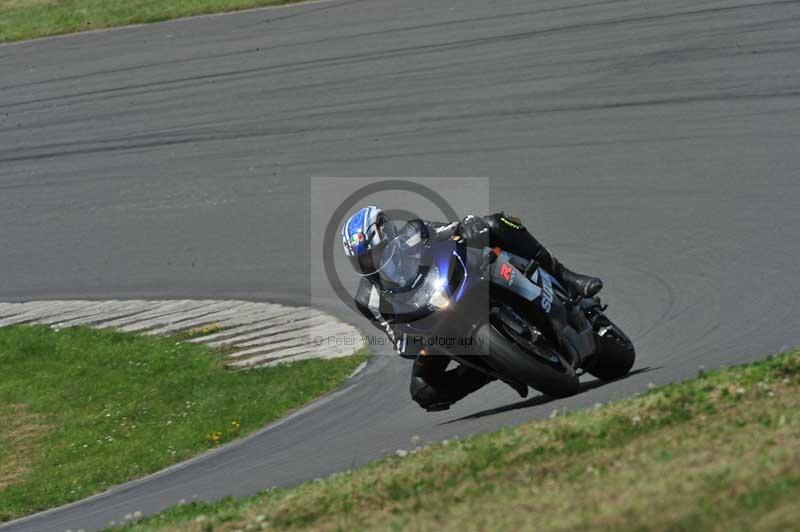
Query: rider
{"x": 364, "y": 237}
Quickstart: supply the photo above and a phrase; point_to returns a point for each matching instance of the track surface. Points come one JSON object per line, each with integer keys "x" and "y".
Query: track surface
{"x": 653, "y": 143}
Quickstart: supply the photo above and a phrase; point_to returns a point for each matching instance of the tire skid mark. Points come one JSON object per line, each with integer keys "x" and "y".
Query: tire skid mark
{"x": 416, "y": 50}
{"x": 301, "y": 43}
{"x": 518, "y": 113}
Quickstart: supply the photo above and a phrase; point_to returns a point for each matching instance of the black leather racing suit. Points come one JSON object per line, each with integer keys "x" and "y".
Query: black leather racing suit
{"x": 434, "y": 387}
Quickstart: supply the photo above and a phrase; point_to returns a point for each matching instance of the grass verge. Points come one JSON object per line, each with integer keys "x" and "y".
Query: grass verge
{"x": 81, "y": 409}
{"x": 720, "y": 452}
{"x": 28, "y": 19}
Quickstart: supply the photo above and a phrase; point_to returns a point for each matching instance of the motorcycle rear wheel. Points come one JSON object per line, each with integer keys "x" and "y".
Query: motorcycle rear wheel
{"x": 507, "y": 358}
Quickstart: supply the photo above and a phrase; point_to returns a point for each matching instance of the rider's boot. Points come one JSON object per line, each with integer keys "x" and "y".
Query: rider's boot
{"x": 583, "y": 284}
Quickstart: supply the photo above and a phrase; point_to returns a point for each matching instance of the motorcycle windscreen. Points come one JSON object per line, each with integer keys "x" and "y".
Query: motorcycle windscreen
{"x": 400, "y": 260}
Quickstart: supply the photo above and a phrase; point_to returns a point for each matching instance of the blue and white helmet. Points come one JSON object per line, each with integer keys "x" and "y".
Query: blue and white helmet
{"x": 362, "y": 238}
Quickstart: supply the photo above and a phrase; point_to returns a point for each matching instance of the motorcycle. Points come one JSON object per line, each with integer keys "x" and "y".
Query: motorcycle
{"x": 501, "y": 314}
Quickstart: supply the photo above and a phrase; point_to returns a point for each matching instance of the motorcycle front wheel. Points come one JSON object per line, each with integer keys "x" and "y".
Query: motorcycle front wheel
{"x": 544, "y": 369}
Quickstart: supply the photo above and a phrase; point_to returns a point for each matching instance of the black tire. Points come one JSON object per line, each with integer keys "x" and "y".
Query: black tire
{"x": 507, "y": 358}
{"x": 615, "y": 355}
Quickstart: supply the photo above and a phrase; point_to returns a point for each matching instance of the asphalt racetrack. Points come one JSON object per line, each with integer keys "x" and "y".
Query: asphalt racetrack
{"x": 656, "y": 144}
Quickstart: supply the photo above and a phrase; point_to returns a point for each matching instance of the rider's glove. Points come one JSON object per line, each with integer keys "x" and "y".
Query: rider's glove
{"x": 474, "y": 230}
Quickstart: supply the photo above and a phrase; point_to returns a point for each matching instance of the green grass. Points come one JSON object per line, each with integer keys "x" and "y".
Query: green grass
{"x": 720, "y": 452}
{"x": 81, "y": 409}
{"x": 27, "y": 19}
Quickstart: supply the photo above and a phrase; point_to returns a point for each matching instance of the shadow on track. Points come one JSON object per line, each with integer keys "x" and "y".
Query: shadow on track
{"x": 544, "y": 399}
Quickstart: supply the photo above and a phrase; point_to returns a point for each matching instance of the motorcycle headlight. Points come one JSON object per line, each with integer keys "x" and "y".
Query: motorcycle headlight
{"x": 438, "y": 298}
{"x": 432, "y": 292}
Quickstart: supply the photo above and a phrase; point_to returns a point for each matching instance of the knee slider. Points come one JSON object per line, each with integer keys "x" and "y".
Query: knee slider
{"x": 421, "y": 392}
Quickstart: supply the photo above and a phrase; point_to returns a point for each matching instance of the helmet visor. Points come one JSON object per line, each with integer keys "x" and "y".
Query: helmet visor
{"x": 368, "y": 262}
{"x": 396, "y": 258}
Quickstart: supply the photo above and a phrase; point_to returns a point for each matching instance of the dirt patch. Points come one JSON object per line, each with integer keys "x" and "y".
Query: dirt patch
{"x": 20, "y": 432}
